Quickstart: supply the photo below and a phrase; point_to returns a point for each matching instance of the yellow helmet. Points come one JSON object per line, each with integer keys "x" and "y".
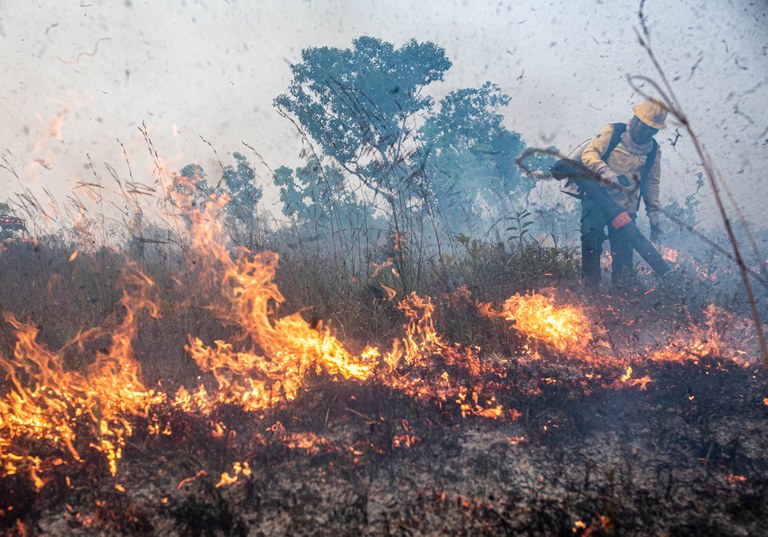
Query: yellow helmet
{"x": 651, "y": 112}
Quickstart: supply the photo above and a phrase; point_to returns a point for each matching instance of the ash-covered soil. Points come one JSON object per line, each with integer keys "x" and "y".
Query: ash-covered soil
{"x": 687, "y": 456}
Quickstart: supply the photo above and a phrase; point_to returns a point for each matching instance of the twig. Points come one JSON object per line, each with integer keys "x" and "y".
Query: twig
{"x": 8, "y": 166}
{"x": 327, "y": 412}
{"x": 673, "y": 105}
{"x": 221, "y": 165}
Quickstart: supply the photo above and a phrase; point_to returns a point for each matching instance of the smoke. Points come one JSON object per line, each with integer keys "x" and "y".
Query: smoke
{"x": 212, "y": 70}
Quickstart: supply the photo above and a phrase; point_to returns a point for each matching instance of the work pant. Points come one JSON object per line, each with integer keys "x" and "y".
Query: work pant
{"x": 593, "y": 224}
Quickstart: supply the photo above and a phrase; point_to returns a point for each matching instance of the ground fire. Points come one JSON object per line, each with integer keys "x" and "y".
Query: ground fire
{"x": 287, "y": 425}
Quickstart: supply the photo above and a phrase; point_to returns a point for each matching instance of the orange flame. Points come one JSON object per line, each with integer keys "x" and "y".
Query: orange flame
{"x": 273, "y": 358}
{"x": 74, "y": 410}
{"x": 670, "y": 254}
{"x": 717, "y": 338}
{"x": 273, "y": 355}
{"x": 563, "y": 328}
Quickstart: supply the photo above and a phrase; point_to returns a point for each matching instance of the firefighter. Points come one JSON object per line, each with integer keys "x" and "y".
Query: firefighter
{"x": 626, "y": 157}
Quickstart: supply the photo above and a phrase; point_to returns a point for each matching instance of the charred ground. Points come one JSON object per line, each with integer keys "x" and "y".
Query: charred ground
{"x": 686, "y": 456}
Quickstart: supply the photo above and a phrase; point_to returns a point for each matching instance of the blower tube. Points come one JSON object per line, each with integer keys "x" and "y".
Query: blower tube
{"x": 615, "y": 213}
{"x": 620, "y": 220}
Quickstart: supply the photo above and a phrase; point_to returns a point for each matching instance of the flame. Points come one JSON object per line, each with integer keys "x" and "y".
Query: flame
{"x": 734, "y": 479}
{"x": 391, "y": 293}
{"x": 399, "y": 241}
{"x": 404, "y": 440}
{"x": 702, "y": 269}
{"x": 190, "y": 479}
{"x": 716, "y": 338}
{"x": 563, "y": 328}
{"x": 627, "y": 379}
{"x": 421, "y": 338}
{"x": 53, "y": 130}
{"x": 74, "y": 410}
{"x": 289, "y": 347}
{"x": 669, "y": 254}
{"x": 273, "y": 355}
{"x": 377, "y": 268}
{"x": 238, "y": 469}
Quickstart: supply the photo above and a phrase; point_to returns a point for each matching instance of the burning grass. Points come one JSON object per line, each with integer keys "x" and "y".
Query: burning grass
{"x": 573, "y": 416}
{"x": 362, "y": 458}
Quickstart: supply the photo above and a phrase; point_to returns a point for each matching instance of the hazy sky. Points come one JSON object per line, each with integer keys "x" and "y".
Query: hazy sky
{"x": 80, "y": 75}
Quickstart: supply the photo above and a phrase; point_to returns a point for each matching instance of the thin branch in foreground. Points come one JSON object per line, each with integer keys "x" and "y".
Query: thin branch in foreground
{"x": 670, "y": 101}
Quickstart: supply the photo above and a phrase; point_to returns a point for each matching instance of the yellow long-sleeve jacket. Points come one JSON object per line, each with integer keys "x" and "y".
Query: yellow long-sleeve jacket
{"x": 626, "y": 159}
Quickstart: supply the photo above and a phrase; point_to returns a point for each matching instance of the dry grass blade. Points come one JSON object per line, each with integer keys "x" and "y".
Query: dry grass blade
{"x": 673, "y": 105}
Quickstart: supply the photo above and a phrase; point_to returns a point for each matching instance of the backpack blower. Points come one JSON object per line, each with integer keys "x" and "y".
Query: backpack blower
{"x": 588, "y": 183}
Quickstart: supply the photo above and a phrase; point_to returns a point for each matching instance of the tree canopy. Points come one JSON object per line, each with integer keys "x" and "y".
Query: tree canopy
{"x": 355, "y": 102}
{"x": 471, "y": 164}
{"x": 368, "y": 110}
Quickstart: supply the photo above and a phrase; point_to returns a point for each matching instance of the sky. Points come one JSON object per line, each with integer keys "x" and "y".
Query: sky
{"x": 81, "y": 76}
